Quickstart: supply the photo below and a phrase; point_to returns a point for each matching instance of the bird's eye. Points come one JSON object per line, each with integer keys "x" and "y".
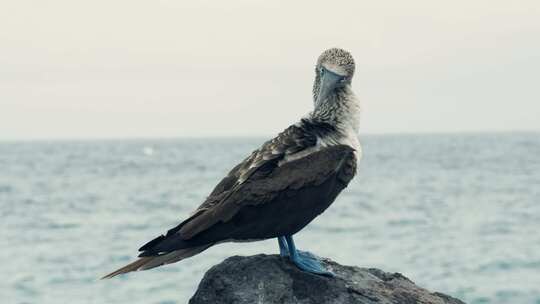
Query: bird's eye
{"x": 321, "y": 71}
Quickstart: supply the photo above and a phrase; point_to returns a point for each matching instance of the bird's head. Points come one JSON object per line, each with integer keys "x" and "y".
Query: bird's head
{"x": 334, "y": 71}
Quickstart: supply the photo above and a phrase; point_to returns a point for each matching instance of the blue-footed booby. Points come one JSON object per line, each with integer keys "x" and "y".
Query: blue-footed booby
{"x": 280, "y": 187}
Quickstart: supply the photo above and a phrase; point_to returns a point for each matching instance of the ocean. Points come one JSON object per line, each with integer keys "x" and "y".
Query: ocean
{"x": 459, "y": 214}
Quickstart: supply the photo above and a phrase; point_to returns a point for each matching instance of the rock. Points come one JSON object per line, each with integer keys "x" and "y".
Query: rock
{"x": 271, "y": 279}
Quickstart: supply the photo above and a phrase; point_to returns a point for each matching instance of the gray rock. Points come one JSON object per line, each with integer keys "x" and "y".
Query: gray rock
{"x": 272, "y": 279}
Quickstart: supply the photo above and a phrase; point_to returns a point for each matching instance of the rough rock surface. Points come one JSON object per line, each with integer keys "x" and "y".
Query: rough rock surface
{"x": 272, "y": 279}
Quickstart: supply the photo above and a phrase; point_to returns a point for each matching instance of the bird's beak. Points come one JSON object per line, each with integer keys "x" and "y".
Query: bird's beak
{"x": 328, "y": 83}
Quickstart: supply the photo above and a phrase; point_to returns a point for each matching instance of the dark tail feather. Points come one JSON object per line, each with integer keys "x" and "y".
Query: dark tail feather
{"x": 145, "y": 263}
{"x": 129, "y": 267}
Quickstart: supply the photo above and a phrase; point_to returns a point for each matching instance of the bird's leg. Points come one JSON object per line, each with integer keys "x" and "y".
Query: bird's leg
{"x": 283, "y": 249}
{"x": 306, "y": 260}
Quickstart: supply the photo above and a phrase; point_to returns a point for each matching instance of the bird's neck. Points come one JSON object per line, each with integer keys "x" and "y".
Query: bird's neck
{"x": 341, "y": 110}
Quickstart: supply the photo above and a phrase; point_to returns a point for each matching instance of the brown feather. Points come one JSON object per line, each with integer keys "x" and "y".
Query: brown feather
{"x": 129, "y": 267}
{"x": 146, "y": 263}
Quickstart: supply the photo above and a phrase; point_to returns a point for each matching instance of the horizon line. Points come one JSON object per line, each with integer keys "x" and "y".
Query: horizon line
{"x": 254, "y": 136}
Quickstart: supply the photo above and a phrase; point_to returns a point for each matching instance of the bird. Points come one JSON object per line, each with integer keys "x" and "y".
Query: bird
{"x": 281, "y": 186}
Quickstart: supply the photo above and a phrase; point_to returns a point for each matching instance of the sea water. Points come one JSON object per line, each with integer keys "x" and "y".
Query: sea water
{"x": 459, "y": 214}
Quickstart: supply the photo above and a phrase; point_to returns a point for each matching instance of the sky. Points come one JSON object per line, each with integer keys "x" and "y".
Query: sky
{"x": 136, "y": 69}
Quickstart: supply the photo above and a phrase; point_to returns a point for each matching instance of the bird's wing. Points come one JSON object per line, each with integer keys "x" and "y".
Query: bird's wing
{"x": 311, "y": 170}
{"x": 261, "y": 163}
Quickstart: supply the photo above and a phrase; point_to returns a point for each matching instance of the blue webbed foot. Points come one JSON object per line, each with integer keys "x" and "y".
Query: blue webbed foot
{"x": 310, "y": 263}
{"x": 306, "y": 260}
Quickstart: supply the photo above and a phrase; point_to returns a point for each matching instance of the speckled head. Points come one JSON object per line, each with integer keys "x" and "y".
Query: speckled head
{"x": 334, "y": 70}
{"x": 337, "y": 61}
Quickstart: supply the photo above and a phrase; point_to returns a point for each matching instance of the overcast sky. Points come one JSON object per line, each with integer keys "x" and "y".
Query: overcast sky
{"x": 101, "y": 69}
